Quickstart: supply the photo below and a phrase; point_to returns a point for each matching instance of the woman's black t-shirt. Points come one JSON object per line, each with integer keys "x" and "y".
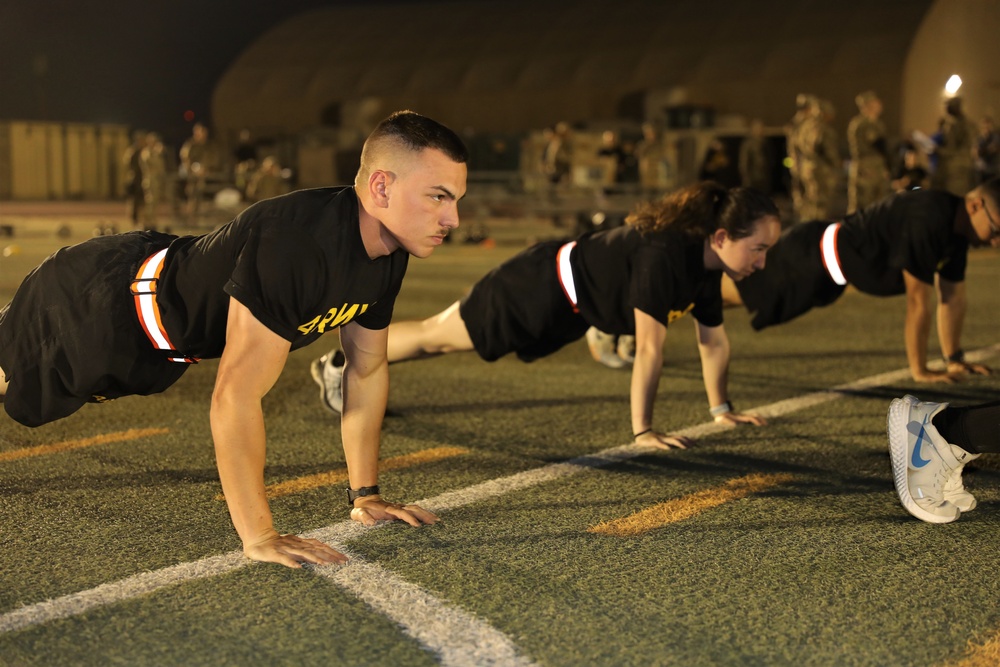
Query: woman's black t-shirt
{"x": 661, "y": 273}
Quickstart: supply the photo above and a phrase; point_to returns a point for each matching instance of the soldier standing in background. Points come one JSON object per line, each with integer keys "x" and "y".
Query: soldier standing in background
{"x": 655, "y": 165}
{"x": 954, "y": 153}
{"x": 755, "y": 159}
{"x": 197, "y": 159}
{"x": 132, "y": 177}
{"x": 804, "y": 108}
{"x": 868, "y": 178}
{"x": 820, "y": 162}
{"x": 154, "y": 177}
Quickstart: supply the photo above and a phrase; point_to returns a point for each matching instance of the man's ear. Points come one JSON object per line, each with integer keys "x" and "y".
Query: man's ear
{"x": 378, "y": 187}
{"x": 718, "y": 236}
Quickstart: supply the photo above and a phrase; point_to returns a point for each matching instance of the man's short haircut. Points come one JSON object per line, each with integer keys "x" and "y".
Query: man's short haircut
{"x": 415, "y": 133}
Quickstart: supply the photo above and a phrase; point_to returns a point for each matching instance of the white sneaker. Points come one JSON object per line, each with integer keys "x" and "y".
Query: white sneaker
{"x": 602, "y": 348}
{"x": 954, "y": 490}
{"x": 328, "y": 372}
{"x": 626, "y": 349}
{"x": 922, "y": 461}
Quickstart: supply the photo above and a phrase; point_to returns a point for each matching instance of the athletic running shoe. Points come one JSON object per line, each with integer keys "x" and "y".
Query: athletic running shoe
{"x": 626, "y": 349}
{"x": 954, "y": 490}
{"x": 602, "y": 348}
{"x": 328, "y": 372}
{"x": 922, "y": 461}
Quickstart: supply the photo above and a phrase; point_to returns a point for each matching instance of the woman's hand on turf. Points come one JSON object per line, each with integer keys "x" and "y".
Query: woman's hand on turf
{"x": 740, "y": 418}
{"x": 663, "y": 441}
{"x": 371, "y": 509}
{"x": 292, "y": 551}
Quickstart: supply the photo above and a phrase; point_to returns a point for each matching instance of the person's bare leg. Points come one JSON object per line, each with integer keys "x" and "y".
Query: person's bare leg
{"x": 3, "y": 385}
{"x": 440, "y": 334}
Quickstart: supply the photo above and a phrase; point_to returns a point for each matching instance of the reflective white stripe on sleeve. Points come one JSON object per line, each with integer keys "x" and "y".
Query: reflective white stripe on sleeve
{"x": 828, "y": 248}
{"x": 565, "y": 271}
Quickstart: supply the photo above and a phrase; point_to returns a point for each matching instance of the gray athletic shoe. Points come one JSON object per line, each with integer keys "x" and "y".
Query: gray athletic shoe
{"x": 602, "y": 348}
{"x": 626, "y": 348}
{"x": 922, "y": 461}
{"x": 328, "y": 372}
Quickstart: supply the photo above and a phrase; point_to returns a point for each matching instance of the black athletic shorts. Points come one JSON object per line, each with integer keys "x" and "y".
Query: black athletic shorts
{"x": 71, "y": 334}
{"x": 794, "y": 279}
{"x": 520, "y": 307}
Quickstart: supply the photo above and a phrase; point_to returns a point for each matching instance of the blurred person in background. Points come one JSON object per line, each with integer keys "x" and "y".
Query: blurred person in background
{"x": 868, "y": 175}
{"x": 755, "y": 159}
{"x": 154, "y": 177}
{"x": 819, "y": 162}
{"x": 954, "y": 171}
{"x": 987, "y": 151}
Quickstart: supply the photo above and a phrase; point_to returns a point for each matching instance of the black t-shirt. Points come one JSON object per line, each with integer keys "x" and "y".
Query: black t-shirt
{"x": 662, "y": 274}
{"x": 297, "y": 262}
{"x": 912, "y": 231}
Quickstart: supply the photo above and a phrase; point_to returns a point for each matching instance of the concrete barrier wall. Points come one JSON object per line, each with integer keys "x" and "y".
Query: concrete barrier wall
{"x": 54, "y": 161}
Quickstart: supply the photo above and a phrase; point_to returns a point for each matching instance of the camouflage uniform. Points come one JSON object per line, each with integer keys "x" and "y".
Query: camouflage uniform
{"x": 868, "y": 178}
{"x": 820, "y": 166}
{"x": 154, "y": 178}
{"x": 806, "y": 107}
{"x": 955, "y": 163}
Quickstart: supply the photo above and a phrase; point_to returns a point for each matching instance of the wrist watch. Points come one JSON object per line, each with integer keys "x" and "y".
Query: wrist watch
{"x": 354, "y": 494}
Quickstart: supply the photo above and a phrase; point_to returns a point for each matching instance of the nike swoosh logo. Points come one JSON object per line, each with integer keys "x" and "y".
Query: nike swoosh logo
{"x": 918, "y": 430}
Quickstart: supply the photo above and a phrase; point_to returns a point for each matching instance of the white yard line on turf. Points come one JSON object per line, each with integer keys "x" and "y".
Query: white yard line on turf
{"x": 460, "y": 637}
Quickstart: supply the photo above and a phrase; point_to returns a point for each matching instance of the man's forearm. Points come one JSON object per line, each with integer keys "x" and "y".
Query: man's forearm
{"x": 950, "y": 317}
{"x": 240, "y": 450}
{"x": 365, "y": 399}
{"x": 918, "y": 324}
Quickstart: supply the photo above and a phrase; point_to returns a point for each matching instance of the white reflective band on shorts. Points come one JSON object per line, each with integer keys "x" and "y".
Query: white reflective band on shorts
{"x": 565, "y": 272}
{"x": 828, "y": 248}
{"x": 144, "y": 290}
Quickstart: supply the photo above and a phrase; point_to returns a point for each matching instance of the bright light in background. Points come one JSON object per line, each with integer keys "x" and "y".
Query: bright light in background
{"x": 954, "y": 83}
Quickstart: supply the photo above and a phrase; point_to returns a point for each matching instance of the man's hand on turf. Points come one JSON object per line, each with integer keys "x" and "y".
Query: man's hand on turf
{"x": 737, "y": 418}
{"x": 292, "y": 551}
{"x": 664, "y": 441}
{"x": 371, "y": 509}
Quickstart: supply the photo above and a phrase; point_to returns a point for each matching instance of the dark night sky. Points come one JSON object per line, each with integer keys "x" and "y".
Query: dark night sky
{"x": 140, "y": 64}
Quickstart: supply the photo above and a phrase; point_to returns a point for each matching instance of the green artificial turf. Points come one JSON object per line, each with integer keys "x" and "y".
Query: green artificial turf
{"x": 826, "y": 569}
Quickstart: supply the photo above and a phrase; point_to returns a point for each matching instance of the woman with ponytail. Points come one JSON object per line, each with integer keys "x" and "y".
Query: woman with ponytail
{"x": 667, "y": 261}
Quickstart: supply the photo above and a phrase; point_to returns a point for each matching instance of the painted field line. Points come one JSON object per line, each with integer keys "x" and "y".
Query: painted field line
{"x": 76, "y": 603}
{"x": 457, "y": 637}
{"x": 687, "y": 506}
{"x": 103, "y": 439}
{"x": 339, "y": 476}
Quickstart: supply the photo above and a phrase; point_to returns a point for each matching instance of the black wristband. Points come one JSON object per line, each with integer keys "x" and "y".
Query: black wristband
{"x": 957, "y": 357}
{"x": 636, "y": 435}
{"x": 354, "y": 494}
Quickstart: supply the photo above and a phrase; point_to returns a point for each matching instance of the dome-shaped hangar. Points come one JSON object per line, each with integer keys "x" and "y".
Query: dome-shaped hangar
{"x": 513, "y": 65}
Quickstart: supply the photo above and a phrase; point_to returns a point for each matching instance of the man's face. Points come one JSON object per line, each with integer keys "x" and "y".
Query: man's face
{"x": 423, "y": 201}
{"x": 741, "y": 257}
